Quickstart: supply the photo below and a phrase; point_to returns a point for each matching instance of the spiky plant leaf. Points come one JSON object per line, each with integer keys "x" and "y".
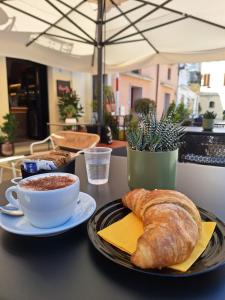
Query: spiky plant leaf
{"x": 154, "y": 136}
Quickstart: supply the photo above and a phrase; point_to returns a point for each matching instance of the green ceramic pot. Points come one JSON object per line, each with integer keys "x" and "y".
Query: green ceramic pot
{"x": 208, "y": 124}
{"x": 152, "y": 170}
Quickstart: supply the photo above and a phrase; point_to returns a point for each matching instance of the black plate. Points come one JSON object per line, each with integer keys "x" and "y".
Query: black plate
{"x": 212, "y": 258}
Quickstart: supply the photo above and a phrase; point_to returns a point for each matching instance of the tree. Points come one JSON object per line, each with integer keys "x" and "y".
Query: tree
{"x": 144, "y": 106}
{"x": 178, "y": 114}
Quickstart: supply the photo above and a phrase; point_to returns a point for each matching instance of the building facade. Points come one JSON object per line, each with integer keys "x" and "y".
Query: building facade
{"x": 20, "y": 94}
{"x": 188, "y": 90}
{"x": 211, "y": 102}
{"x": 158, "y": 83}
{"x": 212, "y": 96}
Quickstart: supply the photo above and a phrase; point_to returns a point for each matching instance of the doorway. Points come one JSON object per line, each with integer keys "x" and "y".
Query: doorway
{"x": 136, "y": 93}
{"x": 166, "y": 101}
{"x": 28, "y": 98}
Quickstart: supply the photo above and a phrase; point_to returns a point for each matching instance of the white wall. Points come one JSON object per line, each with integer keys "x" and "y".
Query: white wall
{"x": 81, "y": 82}
{"x": 4, "y": 102}
{"x": 205, "y": 99}
{"x": 55, "y": 74}
{"x": 216, "y": 69}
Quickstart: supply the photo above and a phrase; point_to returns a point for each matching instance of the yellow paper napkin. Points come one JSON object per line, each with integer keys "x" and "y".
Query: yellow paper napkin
{"x": 124, "y": 234}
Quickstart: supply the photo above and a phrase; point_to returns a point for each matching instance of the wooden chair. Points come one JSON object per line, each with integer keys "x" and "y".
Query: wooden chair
{"x": 69, "y": 140}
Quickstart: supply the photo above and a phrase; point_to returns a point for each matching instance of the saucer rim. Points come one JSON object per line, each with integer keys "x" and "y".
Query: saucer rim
{"x": 44, "y": 232}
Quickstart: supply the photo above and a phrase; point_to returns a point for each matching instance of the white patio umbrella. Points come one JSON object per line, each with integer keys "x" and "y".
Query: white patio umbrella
{"x": 82, "y": 34}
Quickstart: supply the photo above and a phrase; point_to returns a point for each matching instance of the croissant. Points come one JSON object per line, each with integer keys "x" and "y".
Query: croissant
{"x": 172, "y": 226}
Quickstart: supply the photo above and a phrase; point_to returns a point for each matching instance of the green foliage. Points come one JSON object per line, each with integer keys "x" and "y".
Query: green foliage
{"x": 131, "y": 122}
{"x": 224, "y": 115}
{"x": 171, "y": 109}
{"x": 108, "y": 95}
{"x": 2, "y": 139}
{"x": 178, "y": 114}
{"x": 8, "y": 128}
{"x": 181, "y": 113}
{"x": 144, "y": 106}
{"x": 69, "y": 106}
{"x": 69, "y": 111}
{"x": 209, "y": 115}
{"x": 153, "y": 135}
{"x": 95, "y": 105}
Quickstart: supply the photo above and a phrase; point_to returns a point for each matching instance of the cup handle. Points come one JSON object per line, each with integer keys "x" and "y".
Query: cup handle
{"x": 16, "y": 180}
{"x": 9, "y": 197}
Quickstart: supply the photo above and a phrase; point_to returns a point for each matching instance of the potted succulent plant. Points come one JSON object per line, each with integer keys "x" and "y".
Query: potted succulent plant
{"x": 153, "y": 152}
{"x": 208, "y": 120}
{"x": 8, "y": 134}
{"x": 70, "y": 108}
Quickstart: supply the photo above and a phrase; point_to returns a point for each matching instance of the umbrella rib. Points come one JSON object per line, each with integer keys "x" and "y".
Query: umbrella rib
{"x": 77, "y": 11}
{"x": 136, "y": 28}
{"x": 43, "y": 21}
{"x": 183, "y": 13}
{"x": 138, "y": 20}
{"x": 93, "y": 55}
{"x": 126, "y": 12}
{"x": 69, "y": 19}
{"x": 67, "y": 38}
{"x": 125, "y": 42}
{"x": 149, "y": 29}
{"x": 46, "y": 30}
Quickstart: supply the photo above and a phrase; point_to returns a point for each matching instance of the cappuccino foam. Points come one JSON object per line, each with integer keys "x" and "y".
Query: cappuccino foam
{"x": 48, "y": 183}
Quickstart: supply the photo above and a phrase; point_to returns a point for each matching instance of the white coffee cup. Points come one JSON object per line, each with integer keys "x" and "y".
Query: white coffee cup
{"x": 45, "y": 208}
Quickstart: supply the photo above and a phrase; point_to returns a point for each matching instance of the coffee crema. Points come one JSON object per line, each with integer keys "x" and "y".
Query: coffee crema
{"x": 48, "y": 183}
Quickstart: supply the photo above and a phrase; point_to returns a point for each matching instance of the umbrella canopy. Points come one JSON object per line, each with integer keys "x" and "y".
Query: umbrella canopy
{"x": 136, "y": 33}
{"x": 124, "y": 34}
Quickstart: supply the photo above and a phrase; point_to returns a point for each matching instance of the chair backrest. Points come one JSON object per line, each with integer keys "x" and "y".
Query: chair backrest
{"x": 74, "y": 141}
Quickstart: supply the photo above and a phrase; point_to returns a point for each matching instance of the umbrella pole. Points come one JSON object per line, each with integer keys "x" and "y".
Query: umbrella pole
{"x": 100, "y": 62}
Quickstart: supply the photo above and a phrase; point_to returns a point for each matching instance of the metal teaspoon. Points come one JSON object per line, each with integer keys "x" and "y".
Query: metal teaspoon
{"x": 12, "y": 211}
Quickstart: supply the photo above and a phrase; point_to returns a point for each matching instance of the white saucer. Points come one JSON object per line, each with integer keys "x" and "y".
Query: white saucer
{"x": 20, "y": 225}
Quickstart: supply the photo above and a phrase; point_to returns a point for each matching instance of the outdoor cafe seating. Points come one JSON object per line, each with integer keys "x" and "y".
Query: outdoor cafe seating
{"x": 69, "y": 140}
{"x": 65, "y": 140}
{"x": 138, "y": 219}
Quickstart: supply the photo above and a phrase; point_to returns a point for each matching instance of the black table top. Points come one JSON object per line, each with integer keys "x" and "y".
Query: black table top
{"x": 67, "y": 266}
{"x": 200, "y": 131}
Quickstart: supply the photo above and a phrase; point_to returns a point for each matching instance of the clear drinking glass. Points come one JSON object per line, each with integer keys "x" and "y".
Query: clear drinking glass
{"x": 97, "y": 161}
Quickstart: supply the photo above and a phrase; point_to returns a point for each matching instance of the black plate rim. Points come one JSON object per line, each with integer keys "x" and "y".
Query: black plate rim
{"x": 148, "y": 271}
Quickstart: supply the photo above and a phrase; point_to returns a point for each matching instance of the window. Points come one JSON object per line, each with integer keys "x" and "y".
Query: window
{"x": 169, "y": 73}
{"x": 194, "y": 77}
{"x": 138, "y": 71}
{"x": 206, "y": 80}
{"x": 211, "y": 104}
{"x": 136, "y": 93}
